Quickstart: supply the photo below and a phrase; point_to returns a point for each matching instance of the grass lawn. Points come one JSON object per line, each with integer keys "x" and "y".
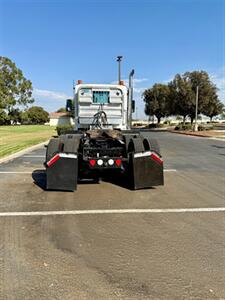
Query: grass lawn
{"x": 16, "y": 138}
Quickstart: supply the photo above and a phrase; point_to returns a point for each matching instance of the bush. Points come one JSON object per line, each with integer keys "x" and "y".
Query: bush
{"x": 183, "y": 127}
{"x": 152, "y": 126}
{"x": 203, "y": 128}
{"x": 161, "y": 125}
{"x": 37, "y": 115}
{"x": 62, "y": 129}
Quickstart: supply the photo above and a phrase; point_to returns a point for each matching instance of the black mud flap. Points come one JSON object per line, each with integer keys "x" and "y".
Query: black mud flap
{"x": 61, "y": 172}
{"x": 146, "y": 170}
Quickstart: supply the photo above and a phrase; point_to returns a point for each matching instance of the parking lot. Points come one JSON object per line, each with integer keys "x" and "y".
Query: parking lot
{"x": 107, "y": 242}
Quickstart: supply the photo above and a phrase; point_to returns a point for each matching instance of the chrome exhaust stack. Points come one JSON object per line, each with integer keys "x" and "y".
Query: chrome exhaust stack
{"x": 130, "y": 100}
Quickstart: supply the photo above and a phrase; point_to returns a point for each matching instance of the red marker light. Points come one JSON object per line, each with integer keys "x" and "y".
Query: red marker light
{"x": 118, "y": 162}
{"x": 92, "y": 162}
{"x": 53, "y": 160}
{"x": 157, "y": 158}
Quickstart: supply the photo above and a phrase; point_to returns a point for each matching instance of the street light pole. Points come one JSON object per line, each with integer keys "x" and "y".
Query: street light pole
{"x": 119, "y": 58}
{"x": 196, "y": 110}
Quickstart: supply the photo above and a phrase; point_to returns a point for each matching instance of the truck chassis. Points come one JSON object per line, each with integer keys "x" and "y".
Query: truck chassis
{"x": 102, "y": 153}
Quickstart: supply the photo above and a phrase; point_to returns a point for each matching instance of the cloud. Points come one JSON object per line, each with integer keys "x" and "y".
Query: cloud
{"x": 136, "y": 81}
{"x": 49, "y": 94}
{"x": 139, "y": 80}
{"x": 139, "y": 90}
{"x": 219, "y": 80}
{"x": 168, "y": 80}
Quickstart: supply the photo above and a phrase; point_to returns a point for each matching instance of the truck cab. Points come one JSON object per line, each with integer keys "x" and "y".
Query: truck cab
{"x": 91, "y": 99}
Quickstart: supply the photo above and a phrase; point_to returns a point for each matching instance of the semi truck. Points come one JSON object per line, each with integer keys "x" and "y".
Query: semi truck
{"x": 103, "y": 143}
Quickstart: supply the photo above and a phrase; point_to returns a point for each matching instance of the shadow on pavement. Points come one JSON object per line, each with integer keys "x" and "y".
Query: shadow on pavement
{"x": 119, "y": 181}
{"x": 122, "y": 181}
{"x": 39, "y": 177}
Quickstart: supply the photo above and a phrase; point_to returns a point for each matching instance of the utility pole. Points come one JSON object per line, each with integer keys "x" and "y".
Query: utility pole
{"x": 119, "y": 58}
{"x": 196, "y": 110}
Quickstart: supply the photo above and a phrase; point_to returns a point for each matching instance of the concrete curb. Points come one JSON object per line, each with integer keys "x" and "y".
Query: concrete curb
{"x": 198, "y": 135}
{"x": 190, "y": 133}
{"x": 22, "y": 152}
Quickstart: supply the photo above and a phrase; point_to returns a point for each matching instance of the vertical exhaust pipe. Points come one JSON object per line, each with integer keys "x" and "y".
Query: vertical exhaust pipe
{"x": 119, "y": 59}
{"x": 130, "y": 98}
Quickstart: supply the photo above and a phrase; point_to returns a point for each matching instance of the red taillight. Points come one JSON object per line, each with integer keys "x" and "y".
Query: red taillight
{"x": 156, "y": 158}
{"x": 118, "y": 162}
{"x": 92, "y": 162}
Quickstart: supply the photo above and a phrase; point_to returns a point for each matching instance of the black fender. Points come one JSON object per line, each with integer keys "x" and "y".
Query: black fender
{"x": 145, "y": 164}
{"x": 62, "y": 162}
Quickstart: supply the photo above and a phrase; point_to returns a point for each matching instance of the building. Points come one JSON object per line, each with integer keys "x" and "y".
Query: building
{"x": 60, "y": 118}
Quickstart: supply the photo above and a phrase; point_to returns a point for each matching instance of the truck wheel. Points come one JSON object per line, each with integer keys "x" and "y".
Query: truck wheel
{"x": 52, "y": 149}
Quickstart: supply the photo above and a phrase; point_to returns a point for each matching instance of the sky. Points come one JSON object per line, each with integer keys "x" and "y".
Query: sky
{"x": 55, "y": 42}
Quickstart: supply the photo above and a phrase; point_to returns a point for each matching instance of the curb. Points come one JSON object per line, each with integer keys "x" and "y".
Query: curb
{"x": 189, "y": 133}
{"x": 21, "y": 152}
{"x": 198, "y": 135}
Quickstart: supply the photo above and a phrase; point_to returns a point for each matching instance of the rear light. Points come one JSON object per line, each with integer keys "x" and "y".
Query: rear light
{"x": 100, "y": 162}
{"x": 110, "y": 162}
{"x": 118, "y": 162}
{"x": 79, "y": 81}
{"x": 156, "y": 158}
{"x": 92, "y": 162}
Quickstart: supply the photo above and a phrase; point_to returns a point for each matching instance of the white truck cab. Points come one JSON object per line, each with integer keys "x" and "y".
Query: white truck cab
{"x": 91, "y": 99}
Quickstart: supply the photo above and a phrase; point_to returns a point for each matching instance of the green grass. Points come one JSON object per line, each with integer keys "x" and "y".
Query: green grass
{"x": 16, "y": 138}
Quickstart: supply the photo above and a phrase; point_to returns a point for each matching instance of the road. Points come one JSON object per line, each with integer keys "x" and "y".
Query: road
{"x": 152, "y": 255}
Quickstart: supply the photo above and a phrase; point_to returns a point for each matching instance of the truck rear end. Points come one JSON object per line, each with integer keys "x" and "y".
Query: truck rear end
{"x": 102, "y": 143}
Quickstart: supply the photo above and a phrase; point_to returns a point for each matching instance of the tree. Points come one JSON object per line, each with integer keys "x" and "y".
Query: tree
{"x": 24, "y": 118}
{"x": 207, "y": 93}
{"x": 37, "y": 115}
{"x": 222, "y": 116}
{"x": 214, "y": 108}
{"x": 15, "y": 115}
{"x": 4, "y": 118}
{"x": 62, "y": 109}
{"x": 156, "y": 101}
{"x": 15, "y": 89}
{"x": 181, "y": 98}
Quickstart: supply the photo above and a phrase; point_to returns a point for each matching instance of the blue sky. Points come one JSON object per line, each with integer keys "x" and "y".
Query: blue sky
{"x": 56, "y": 41}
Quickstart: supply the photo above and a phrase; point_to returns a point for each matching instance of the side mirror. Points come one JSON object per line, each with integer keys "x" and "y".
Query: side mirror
{"x": 133, "y": 106}
{"x": 69, "y": 105}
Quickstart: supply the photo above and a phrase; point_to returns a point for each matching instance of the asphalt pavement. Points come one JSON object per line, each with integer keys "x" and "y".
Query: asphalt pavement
{"x": 122, "y": 254}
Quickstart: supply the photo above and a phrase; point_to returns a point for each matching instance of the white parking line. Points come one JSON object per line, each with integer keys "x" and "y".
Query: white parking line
{"x": 26, "y": 172}
{"x": 112, "y": 211}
